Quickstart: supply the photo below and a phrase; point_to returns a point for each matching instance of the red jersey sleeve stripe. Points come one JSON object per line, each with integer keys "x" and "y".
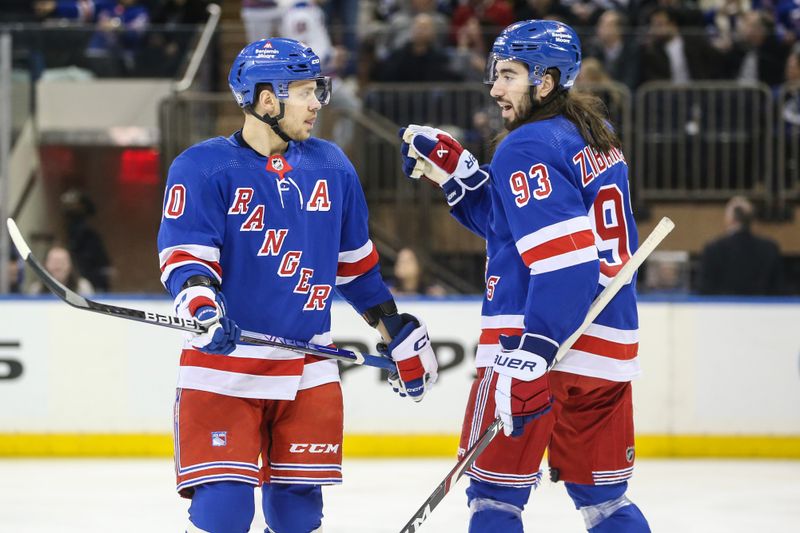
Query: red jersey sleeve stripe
{"x": 359, "y": 267}
{"x": 243, "y": 365}
{"x": 558, "y": 246}
{"x": 606, "y": 348}
{"x": 180, "y": 256}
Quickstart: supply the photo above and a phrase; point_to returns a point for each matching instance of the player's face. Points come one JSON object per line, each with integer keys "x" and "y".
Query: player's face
{"x": 301, "y": 110}
{"x": 511, "y": 91}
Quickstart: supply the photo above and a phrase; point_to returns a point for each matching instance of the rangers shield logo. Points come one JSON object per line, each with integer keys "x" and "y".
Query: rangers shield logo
{"x": 219, "y": 438}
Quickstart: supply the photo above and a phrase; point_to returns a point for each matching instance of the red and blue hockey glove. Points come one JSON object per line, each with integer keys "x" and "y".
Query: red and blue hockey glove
{"x": 207, "y": 306}
{"x": 522, "y": 392}
{"x": 435, "y": 154}
{"x": 417, "y": 368}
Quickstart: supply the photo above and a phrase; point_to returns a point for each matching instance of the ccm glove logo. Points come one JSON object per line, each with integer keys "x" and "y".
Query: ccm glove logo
{"x": 303, "y": 447}
{"x": 420, "y": 344}
{"x": 513, "y": 362}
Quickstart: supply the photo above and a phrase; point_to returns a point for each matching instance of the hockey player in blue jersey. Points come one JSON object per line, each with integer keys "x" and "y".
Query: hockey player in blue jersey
{"x": 258, "y": 229}
{"x": 554, "y": 209}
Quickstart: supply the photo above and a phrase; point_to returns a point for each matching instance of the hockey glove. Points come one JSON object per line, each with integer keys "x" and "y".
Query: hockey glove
{"x": 417, "y": 368}
{"x": 522, "y": 392}
{"x": 435, "y": 154}
{"x": 207, "y": 306}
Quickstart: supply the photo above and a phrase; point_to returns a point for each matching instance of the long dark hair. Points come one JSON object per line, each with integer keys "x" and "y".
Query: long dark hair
{"x": 586, "y": 111}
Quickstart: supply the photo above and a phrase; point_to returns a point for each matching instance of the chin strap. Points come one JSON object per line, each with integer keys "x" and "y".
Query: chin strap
{"x": 272, "y": 122}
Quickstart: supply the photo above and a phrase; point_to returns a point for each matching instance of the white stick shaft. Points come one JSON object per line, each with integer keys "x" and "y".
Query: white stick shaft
{"x": 662, "y": 229}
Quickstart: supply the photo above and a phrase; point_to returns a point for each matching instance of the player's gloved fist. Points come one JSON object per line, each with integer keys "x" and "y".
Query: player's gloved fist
{"x": 522, "y": 392}
{"x": 435, "y": 154}
{"x": 417, "y": 368}
{"x": 207, "y": 306}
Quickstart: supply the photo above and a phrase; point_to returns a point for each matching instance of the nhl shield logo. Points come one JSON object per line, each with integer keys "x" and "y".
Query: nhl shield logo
{"x": 277, "y": 163}
{"x": 629, "y": 454}
{"x": 219, "y": 438}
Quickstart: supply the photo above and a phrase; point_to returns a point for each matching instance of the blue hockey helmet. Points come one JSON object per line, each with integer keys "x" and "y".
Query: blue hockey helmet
{"x": 278, "y": 62}
{"x": 540, "y": 44}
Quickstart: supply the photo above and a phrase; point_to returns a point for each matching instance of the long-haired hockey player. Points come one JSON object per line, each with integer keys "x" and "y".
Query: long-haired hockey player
{"x": 258, "y": 229}
{"x": 554, "y": 208}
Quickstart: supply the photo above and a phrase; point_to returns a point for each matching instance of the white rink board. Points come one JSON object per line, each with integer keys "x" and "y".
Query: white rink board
{"x": 709, "y": 368}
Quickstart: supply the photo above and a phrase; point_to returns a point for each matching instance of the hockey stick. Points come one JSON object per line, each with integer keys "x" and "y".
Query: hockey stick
{"x": 183, "y": 324}
{"x": 662, "y": 229}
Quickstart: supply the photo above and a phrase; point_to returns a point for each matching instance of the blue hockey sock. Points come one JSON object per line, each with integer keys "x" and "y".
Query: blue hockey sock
{"x": 606, "y": 509}
{"x": 223, "y": 507}
{"x": 494, "y": 508}
{"x": 292, "y": 508}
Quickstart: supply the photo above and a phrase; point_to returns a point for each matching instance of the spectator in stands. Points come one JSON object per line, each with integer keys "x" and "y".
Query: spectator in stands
{"x": 757, "y": 54}
{"x": 261, "y": 18}
{"x": 791, "y": 108}
{"x": 342, "y": 16}
{"x": 615, "y": 49}
{"x": 58, "y": 262}
{"x": 305, "y": 21}
{"x": 15, "y": 272}
{"x": 787, "y": 15}
{"x": 165, "y": 49}
{"x": 726, "y": 15}
{"x": 409, "y": 279}
{"x": 120, "y": 27}
{"x": 469, "y": 57}
{"x": 84, "y": 243}
{"x": 671, "y": 56}
{"x": 419, "y": 60}
{"x": 740, "y": 263}
{"x": 594, "y": 79}
{"x": 490, "y": 13}
{"x": 400, "y": 23}
{"x": 542, "y": 9}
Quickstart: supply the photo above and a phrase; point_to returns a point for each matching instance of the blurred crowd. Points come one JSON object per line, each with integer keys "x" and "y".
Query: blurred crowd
{"x": 631, "y": 42}
{"x": 123, "y": 38}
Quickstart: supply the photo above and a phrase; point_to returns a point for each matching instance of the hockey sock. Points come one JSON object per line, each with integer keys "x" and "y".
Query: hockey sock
{"x": 494, "y": 508}
{"x": 292, "y": 508}
{"x": 223, "y": 507}
{"x": 606, "y": 509}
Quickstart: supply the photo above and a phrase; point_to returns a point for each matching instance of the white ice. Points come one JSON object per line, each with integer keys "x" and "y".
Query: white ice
{"x": 120, "y": 496}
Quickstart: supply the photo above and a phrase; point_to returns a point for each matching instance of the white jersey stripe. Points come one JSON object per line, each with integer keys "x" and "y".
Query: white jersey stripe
{"x": 575, "y": 257}
{"x": 353, "y": 256}
{"x": 319, "y": 373}
{"x": 622, "y": 336}
{"x": 238, "y": 385}
{"x": 597, "y": 366}
{"x": 502, "y": 321}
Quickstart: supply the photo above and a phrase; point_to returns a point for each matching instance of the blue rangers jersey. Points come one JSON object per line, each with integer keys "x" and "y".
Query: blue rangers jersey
{"x": 556, "y": 216}
{"x": 279, "y": 233}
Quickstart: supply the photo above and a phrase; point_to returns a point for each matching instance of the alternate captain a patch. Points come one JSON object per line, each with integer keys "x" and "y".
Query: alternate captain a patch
{"x": 219, "y": 438}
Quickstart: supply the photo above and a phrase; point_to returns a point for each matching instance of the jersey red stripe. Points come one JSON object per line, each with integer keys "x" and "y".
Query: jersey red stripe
{"x": 359, "y": 267}
{"x": 492, "y": 335}
{"x": 243, "y": 365}
{"x": 606, "y": 348}
{"x": 179, "y": 256}
{"x": 560, "y": 245}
